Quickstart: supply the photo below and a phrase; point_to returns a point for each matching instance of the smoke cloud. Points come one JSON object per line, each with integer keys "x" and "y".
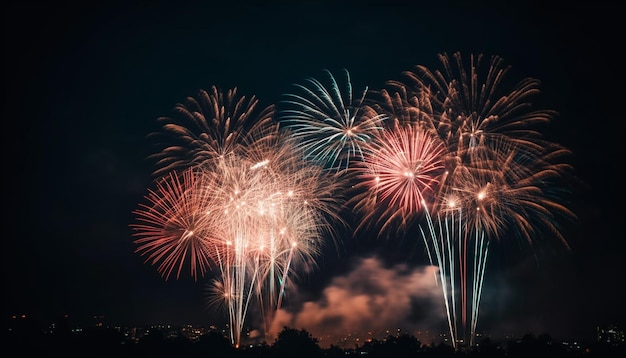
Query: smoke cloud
{"x": 371, "y": 301}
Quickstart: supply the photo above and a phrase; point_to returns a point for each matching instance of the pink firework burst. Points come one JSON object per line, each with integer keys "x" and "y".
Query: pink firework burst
{"x": 175, "y": 227}
{"x": 401, "y": 170}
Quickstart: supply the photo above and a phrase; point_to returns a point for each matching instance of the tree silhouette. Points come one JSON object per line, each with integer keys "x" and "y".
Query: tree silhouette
{"x": 404, "y": 345}
{"x": 296, "y": 343}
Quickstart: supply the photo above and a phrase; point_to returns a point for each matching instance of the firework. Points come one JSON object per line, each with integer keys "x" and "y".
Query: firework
{"x": 403, "y": 166}
{"x": 253, "y": 193}
{"x": 461, "y": 157}
{"x": 509, "y": 192}
{"x": 471, "y": 105}
{"x": 247, "y": 206}
{"x": 207, "y": 127}
{"x": 499, "y": 178}
{"x": 277, "y": 213}
{"x": 175, "y": 226}
{"x": 329, "y": 122}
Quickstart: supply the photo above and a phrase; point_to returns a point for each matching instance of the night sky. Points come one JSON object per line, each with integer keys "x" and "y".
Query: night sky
{"x": 84, "y": 85}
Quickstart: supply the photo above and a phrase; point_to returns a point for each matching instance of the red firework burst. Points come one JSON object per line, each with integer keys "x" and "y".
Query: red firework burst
{"x": 401, "y": 170}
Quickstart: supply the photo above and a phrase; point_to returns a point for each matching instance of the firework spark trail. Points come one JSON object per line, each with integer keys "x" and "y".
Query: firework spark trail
{"x": 328, "y": 122}
{"x": 481, "y": 250}
{"x": 437, "y": 248}
{"x": 443, "y": 236}
{"x": 501, "y": 194}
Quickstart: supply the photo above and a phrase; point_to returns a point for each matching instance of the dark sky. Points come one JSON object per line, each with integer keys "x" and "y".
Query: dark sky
{"x": 84, "y": 85}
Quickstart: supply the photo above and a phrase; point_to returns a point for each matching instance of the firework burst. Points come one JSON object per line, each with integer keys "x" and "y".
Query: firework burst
{"x": 207, "y": 127}
{"x": 247, "y": 206}
{"x": 499, "y": 177}
{"x": 175, "y": 226}
{"x": 277, "y": 213}
{"x": 329, "y": 122}
{"x": 402, "y": 168}
{"x": 472, "y": 105}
